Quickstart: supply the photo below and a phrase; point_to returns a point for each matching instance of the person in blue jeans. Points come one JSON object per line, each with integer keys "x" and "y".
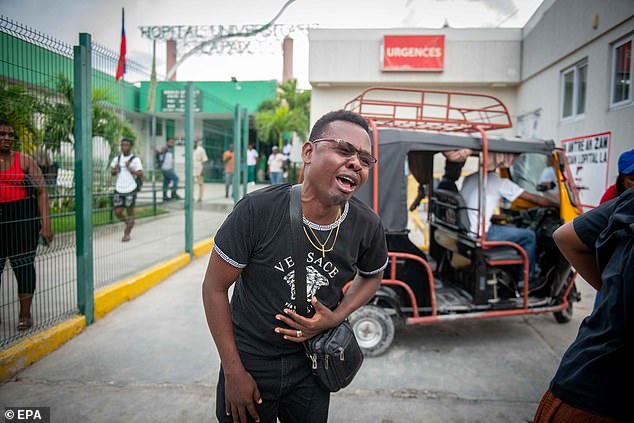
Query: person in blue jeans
{"x": 276, "y": 166}
{"x": 167, "y": 168}
{"x": 498, "y": 188}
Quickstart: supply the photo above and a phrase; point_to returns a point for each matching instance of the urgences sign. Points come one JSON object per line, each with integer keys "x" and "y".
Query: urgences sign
{"x": 413, "y": 52}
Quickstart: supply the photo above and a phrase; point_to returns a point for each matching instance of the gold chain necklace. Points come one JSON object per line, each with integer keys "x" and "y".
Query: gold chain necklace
{"x": 322, "y": 246}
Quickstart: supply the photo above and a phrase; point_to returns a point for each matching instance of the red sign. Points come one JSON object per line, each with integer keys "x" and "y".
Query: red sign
{"x": 413, "y": 52}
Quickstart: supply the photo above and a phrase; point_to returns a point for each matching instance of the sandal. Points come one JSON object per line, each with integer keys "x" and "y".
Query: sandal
{"x": 25, "y": 324}
{"x": 125, "y": 238}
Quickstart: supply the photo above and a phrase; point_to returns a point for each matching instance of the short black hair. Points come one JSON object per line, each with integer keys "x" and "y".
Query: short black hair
{"x": 128, "y": 140}
{"x": 320, "y": 127}
{"x": 5, "y": 122}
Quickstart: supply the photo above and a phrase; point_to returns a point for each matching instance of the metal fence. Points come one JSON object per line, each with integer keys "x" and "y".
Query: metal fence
{"x": 64, "y": 122}
{"x": 39, "y": 281}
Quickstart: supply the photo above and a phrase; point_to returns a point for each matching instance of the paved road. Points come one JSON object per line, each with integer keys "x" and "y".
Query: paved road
{"x": 153, "y": 360}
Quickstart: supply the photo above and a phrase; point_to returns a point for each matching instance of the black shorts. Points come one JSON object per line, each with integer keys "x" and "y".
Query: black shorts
{"x": 120, "y": 200}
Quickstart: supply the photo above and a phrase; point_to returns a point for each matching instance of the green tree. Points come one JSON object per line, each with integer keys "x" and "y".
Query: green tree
{"x": 60, "y": 117}
{"x": 19, "y": 107}
{"x": 288, "y": 112}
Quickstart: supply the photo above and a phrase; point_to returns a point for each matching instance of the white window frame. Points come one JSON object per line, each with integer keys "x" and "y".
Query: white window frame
{"x": 629, "y": 100}
{"x": 576, "y": 86}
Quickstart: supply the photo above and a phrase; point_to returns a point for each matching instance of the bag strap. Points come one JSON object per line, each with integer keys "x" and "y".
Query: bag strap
{"x": 130, "y": 161}
{"x": 295, "y": 209}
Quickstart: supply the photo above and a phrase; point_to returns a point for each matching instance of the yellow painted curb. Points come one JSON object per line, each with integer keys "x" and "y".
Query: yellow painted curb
{"x": 203, "y": 247}
{"x": 33, "y": 348}
{"x": 112, "y": 296}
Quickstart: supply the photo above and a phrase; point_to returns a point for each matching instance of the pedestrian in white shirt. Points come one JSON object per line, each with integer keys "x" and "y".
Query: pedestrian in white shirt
{"x": 200, "y": 158}
{"x": 252, "y": 160}
{"x": 127, "y": 168}
{"x": 276, "y": 166}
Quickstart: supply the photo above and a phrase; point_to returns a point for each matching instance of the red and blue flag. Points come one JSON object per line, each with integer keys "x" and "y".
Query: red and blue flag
{"x": 122, "y": 49}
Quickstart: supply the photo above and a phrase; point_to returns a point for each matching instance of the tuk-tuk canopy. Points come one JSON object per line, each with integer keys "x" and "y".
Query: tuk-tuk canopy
{"x": 402, "y": 142}
{"x": 396, "y": 144}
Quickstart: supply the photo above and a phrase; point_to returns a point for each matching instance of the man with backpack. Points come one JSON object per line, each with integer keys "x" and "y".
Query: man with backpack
{"x": 129, "y": 172}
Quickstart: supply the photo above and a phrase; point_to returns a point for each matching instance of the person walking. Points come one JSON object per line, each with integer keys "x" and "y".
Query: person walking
{"x": 200, "y": 158}
{"x": 264, "y": 372}
{"x": 127, "y": 168}
{"x": 24, "y": 218}
{"x": 227, "y": 159}
{"x": 286, "y": 151}
{"x": 276, "y": 166}
{"x": 252, "y": 160}
{"x": 166, "y": 161}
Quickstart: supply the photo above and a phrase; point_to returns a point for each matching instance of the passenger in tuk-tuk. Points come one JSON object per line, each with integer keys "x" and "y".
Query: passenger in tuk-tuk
{"x": 453, "y": 167}
{"x": 498, "y": 188}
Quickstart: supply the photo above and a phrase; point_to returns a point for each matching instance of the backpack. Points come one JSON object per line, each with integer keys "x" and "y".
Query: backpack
{"x": 159, "y": 158}
{"x": 137, "y": 179}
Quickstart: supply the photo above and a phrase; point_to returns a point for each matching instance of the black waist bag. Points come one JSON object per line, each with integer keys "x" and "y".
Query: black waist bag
{"x": 335, "y": 354}
{"x": 336, "y": 357}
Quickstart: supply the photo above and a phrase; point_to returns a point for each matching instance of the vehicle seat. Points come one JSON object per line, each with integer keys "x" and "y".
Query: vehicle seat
{"x": 450, "y": 211}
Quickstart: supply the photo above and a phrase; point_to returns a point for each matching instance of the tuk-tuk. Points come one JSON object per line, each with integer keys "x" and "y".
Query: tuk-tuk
{"x": 462, "y": 275}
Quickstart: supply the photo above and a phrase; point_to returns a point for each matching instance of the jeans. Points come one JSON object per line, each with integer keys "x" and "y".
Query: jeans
{"x": 276, "y": 178}
{"x": 228, "y": 183}
{"x": 525, "y": 238}
{"x": 169, "y": 176}
{"x": 288, "y": 388}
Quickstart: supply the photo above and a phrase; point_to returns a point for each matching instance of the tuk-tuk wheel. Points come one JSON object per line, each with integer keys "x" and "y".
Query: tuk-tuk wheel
{"x": 565, "y": 315}
{"x": 374, "y": 329}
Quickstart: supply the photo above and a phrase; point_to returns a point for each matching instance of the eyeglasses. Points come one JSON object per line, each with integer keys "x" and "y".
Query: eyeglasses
{"x": 346, "y": 149}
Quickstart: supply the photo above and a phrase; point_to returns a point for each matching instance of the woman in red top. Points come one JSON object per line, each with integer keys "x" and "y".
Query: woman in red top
{"x": 20, "y": 226}
{"x": 625, "y": 179}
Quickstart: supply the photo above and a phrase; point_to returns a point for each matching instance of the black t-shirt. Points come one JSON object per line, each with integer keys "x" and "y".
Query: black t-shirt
{"x": 256, "y": 238}
{"x": 594, "y": 367}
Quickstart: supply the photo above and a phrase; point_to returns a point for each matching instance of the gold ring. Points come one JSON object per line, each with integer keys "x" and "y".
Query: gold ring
{"x": 299, "y": 333}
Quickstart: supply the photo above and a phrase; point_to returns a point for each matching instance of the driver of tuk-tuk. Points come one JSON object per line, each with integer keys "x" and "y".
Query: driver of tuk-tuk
{"x": 547, "y": 183}
{"x": 498, "y": 188}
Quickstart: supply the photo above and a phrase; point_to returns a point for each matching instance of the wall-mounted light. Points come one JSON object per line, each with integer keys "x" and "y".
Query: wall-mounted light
{"x": 595, "y": 21}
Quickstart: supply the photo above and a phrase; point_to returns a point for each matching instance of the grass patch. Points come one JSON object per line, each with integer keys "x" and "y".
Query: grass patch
{"x": 66, "y": 223}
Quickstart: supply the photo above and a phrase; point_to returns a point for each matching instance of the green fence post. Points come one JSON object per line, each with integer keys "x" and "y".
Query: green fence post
{"x": 189, "y": 175}
{"x": 152, "y": 137}
{"x": 245, "y": 143}
{"x": 83, "y": 176}
{"x": 237, "y": 149}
